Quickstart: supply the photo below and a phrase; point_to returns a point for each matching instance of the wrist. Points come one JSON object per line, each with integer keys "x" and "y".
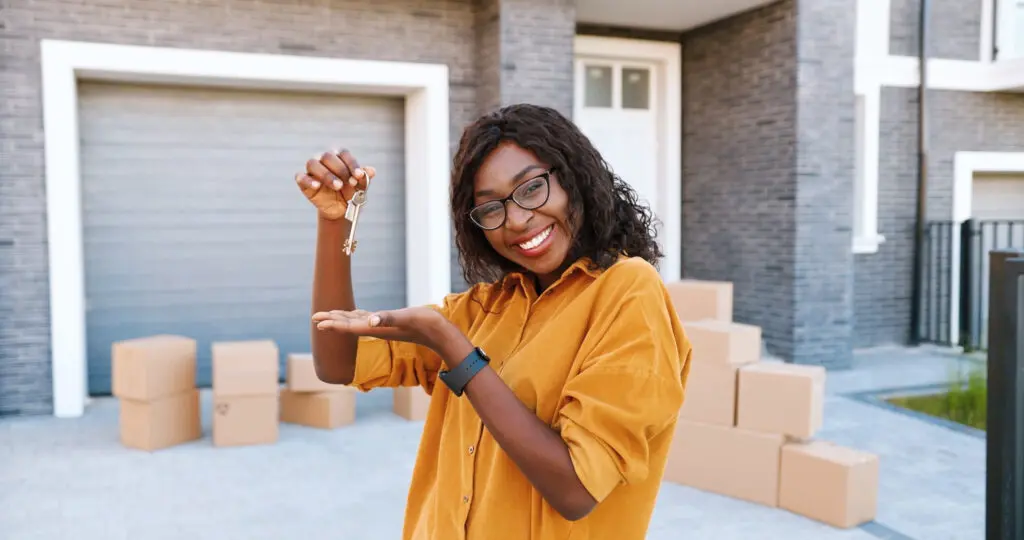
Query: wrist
{"x": 453, "y": 346}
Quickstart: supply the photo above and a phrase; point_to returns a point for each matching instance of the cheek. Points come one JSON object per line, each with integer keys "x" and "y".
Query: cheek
{"x": 494, "y": 238}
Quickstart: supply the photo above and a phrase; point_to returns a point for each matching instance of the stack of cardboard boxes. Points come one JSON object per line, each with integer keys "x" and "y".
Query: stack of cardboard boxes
{"x": 245, "y": 392}
{"x": 747, "y": 427}
{"x": 154, "y": 378}
{"x": 310, "y": 402}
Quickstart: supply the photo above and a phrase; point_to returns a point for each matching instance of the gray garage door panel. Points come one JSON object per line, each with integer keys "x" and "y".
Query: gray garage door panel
{"x": 193, "y": 224}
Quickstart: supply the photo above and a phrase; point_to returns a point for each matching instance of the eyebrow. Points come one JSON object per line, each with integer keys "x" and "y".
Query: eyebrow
{"x": 518, "y": 176}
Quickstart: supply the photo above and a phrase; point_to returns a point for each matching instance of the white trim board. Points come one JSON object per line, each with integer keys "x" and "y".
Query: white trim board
{"x": 875, "y": 68}
{"x": 424, "y": 86}
{"x": 965, "y": 166}
{"x": 668, "y": 59}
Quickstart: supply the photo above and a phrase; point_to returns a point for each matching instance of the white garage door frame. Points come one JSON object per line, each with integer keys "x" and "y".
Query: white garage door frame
{"x": 424, "y": 87}
{"x": 965, "y": 166}
{"x": 668, "y": 59}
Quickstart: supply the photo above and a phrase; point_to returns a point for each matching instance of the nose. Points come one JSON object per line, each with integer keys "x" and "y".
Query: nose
{"x": 516, "y": 217}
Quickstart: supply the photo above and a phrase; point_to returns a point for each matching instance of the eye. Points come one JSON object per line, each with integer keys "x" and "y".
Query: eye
{"x": 532, "y": 186}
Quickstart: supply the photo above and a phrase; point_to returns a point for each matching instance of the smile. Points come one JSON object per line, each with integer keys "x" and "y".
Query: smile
{"x": 537, "y": 240}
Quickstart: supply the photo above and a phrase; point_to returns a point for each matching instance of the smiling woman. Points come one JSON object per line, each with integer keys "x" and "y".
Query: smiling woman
{"x": 562, "y": 428}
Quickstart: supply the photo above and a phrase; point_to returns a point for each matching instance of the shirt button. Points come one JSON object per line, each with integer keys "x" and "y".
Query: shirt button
{"x": 471, "y": 449}
{"x": 465, "y": 498}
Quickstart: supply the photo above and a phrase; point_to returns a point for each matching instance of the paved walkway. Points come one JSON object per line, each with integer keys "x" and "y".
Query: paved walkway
{"x": 70, "y": 479}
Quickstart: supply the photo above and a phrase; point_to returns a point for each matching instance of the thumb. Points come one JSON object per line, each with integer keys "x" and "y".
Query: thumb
{"x": 383, "y": 319}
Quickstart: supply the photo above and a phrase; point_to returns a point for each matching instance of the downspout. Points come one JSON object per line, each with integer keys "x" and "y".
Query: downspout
{"x": 922, "y": 172}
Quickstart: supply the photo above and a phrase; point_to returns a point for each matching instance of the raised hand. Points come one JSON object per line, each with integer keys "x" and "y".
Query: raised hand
{"x": 330, "y": 180}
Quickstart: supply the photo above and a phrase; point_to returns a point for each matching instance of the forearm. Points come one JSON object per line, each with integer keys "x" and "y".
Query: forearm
{"x": 536, "y": 448}
{"x": 334, "y": 353}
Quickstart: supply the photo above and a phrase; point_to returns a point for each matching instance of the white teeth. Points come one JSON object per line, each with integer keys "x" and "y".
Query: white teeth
{"x": 536, "y": 240}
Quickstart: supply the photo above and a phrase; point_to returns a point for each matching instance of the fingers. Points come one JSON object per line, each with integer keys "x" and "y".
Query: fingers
{"x": 307, "y": 183}
{"x": 359, "y": 176}
{"x": 354, "y": 320}
{"x": 337, "y": 167}
{"x": 316, "y": 169}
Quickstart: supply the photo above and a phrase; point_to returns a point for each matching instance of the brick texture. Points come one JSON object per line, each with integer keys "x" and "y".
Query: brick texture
{"x": 959, "y": 121}
{"x": 767, "y": 171}
{"x": 955, "y": 29}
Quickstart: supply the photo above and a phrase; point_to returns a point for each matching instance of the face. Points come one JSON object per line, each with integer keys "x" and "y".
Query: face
{"x": 538, "y": 240}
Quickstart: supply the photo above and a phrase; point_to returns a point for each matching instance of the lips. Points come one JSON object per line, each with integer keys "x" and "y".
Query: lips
{"x": 537, "y": 240}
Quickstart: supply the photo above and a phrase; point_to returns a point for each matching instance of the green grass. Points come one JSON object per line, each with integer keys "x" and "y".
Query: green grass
{"x": 965, "y": 401}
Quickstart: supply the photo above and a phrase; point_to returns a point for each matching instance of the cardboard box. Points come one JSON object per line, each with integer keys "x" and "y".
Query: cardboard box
{"x": 724, "y": 342}
{"x": 696, "y": 300}
{"x": 300, "y": 374}
{"x": 246, "y": 368}
{"x": 245, "y": 420}
{"x": 728, "y": 461}
{"x": 324, "y": 410}
{"x": 162, "y": 422}
{"x": 411, "y": 402}
{"x": 781, "y": 398}
{"x": 829, "y": 483}
{"x": 153, "y": 367}
{"x": 710, "y": 394}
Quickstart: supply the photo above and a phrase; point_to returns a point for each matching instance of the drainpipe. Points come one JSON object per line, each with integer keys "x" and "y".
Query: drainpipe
{"x": 922, "y": 171}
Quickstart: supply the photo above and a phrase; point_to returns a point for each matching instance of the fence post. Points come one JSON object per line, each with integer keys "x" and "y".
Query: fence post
{"x": 966, "y": 281}
{"x": 1004, "y": 512}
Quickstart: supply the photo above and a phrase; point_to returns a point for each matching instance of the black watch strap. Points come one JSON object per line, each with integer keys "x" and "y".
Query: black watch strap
{"x": 458, "y": 378}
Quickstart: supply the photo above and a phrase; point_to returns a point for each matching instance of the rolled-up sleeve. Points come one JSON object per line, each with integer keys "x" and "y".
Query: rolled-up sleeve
{"x": 628, "y": 391}
{"x": 381, "y": 363}
{"x": 388, "y": 364}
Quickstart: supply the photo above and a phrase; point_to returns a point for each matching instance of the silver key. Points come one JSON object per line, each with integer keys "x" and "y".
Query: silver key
{"x": 352, "y": 214}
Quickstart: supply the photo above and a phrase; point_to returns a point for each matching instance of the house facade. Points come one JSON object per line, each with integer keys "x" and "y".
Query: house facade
{"x": 148, "y": 149}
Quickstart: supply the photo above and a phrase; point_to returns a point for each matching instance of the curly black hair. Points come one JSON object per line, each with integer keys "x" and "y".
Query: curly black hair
{"x": 603, "y": 208}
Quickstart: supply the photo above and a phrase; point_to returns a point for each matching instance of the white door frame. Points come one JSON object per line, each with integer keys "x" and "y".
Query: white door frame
{"x": 424, "y": 86}
{"x": 965, "y": 165}
{"x": 667, "y": 57}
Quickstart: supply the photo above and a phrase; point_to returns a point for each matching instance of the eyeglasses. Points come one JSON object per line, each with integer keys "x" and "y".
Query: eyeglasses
{"x": 529, "y": 195}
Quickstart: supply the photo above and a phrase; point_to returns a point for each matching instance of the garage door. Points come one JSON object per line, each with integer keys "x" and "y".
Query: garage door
{"x": 997, "y": 201}
{"x": 998, "y": 196}
{"x": 193, "y": 224}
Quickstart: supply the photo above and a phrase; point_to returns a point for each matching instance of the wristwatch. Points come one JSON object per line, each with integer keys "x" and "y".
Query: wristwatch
{"x": 458, "y": 378}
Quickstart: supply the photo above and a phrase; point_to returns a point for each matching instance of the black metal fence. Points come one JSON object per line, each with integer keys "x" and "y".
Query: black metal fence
{"x": 956, "y": 279}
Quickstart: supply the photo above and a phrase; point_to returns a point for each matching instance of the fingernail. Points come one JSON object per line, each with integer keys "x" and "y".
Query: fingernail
{"x": 352, "y": 181}
{"x": 316, "y": 183}
{"x": 374, "y": 320}
{"x": 337, "y": 184}
{"x": 358, "y": 173}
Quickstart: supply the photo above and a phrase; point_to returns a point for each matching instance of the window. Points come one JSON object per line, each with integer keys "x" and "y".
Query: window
{"x": 614, "y": 86}
{"x": 1009, "y": 29}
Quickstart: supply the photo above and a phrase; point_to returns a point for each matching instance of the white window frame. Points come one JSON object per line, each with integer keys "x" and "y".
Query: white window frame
{"x": 424, "y": 87}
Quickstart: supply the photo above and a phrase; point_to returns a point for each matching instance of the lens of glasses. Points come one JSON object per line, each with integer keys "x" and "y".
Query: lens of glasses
{"x": 530, "y": 196}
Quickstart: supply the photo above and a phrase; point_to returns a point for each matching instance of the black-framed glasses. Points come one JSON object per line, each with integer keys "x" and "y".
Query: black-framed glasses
{"x": 530, "y": 195}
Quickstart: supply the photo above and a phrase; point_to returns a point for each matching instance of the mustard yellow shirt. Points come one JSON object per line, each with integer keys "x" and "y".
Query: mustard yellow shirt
{"x": 599, "y": 356}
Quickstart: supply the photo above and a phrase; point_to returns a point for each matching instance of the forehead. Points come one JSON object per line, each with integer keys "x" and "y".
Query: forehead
{"x": 504, "y": 168}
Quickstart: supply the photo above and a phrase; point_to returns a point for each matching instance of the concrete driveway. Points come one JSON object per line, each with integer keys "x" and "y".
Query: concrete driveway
{"x": 71, "y": 479}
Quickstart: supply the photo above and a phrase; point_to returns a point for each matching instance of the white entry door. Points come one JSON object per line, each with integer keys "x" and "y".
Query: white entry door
{"x": 615, "y": 108}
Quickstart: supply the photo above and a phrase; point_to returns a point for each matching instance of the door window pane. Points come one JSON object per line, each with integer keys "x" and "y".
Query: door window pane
{"x": 598, "y": 86}
{"x": 636, "y": 88}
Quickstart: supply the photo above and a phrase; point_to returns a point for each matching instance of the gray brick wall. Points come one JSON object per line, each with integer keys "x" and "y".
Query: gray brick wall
{"x": 955, "y": 27}
{"x": 739, "y": 156}
{"x": 960, "y": 121}
{"x": 825, "y": 181}
{"x": 768, "y": 171}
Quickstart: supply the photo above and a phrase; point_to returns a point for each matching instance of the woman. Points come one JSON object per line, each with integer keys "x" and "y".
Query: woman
{"x": 556, "y": 379}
